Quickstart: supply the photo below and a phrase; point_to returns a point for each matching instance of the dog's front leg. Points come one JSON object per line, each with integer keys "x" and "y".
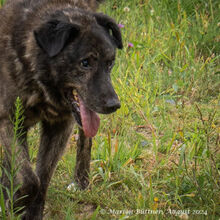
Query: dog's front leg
{"x": 83, "y": 158}
{"x": 54, "y": 138}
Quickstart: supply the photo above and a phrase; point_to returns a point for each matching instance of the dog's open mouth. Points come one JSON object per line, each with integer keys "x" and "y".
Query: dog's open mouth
{"x": 85, "y": 117}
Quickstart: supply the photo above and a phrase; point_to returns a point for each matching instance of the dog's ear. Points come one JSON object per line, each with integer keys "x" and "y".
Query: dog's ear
{"x": 109, "y": 24}
{"x": 54, "y": 35}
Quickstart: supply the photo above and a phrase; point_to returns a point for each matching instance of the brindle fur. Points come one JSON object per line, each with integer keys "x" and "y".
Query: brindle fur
{"x": 41, "y": 45}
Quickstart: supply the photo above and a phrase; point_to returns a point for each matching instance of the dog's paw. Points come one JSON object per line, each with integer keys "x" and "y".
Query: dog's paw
{"x": 73, "y": 187}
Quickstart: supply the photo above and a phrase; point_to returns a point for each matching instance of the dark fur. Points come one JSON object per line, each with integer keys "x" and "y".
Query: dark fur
{"x": 42, "y": 43}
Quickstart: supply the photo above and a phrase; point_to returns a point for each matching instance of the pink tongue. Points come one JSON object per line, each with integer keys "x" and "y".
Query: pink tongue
{"x": 90, "y": 120}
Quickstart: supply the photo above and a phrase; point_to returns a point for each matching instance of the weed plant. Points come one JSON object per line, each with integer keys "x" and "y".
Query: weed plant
{"x": 10, "y": 191}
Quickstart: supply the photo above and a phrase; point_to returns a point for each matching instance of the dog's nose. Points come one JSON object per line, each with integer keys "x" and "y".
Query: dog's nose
{"x": 112, "y": 105}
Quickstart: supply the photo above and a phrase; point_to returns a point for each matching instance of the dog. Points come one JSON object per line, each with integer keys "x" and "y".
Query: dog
{"x": 56, "y": 56}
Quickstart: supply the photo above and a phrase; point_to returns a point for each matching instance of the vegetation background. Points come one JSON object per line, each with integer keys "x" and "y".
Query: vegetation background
{"x": 158, "y": 156}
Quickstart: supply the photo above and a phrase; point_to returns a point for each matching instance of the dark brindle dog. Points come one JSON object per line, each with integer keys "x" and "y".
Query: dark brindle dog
{"x": 56, "y": 55}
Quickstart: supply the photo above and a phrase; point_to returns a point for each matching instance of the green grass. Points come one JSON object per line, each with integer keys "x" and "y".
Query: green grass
{"x": 160, "y": 151}
{"x": 10, "y": 191}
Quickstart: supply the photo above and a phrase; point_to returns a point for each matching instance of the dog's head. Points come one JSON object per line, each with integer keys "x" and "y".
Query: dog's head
{"x": 81, "y": 49}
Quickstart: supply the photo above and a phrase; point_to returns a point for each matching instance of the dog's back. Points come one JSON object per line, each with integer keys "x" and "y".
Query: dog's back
{"x": 30, "y": 4}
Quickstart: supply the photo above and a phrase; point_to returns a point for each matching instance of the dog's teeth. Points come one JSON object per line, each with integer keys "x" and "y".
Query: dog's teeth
{"x": 74, "y": 92}
{"x": 75, "y": 95}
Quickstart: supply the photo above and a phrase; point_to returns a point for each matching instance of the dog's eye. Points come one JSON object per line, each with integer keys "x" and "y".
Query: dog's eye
{"x": 85, "y": 63}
